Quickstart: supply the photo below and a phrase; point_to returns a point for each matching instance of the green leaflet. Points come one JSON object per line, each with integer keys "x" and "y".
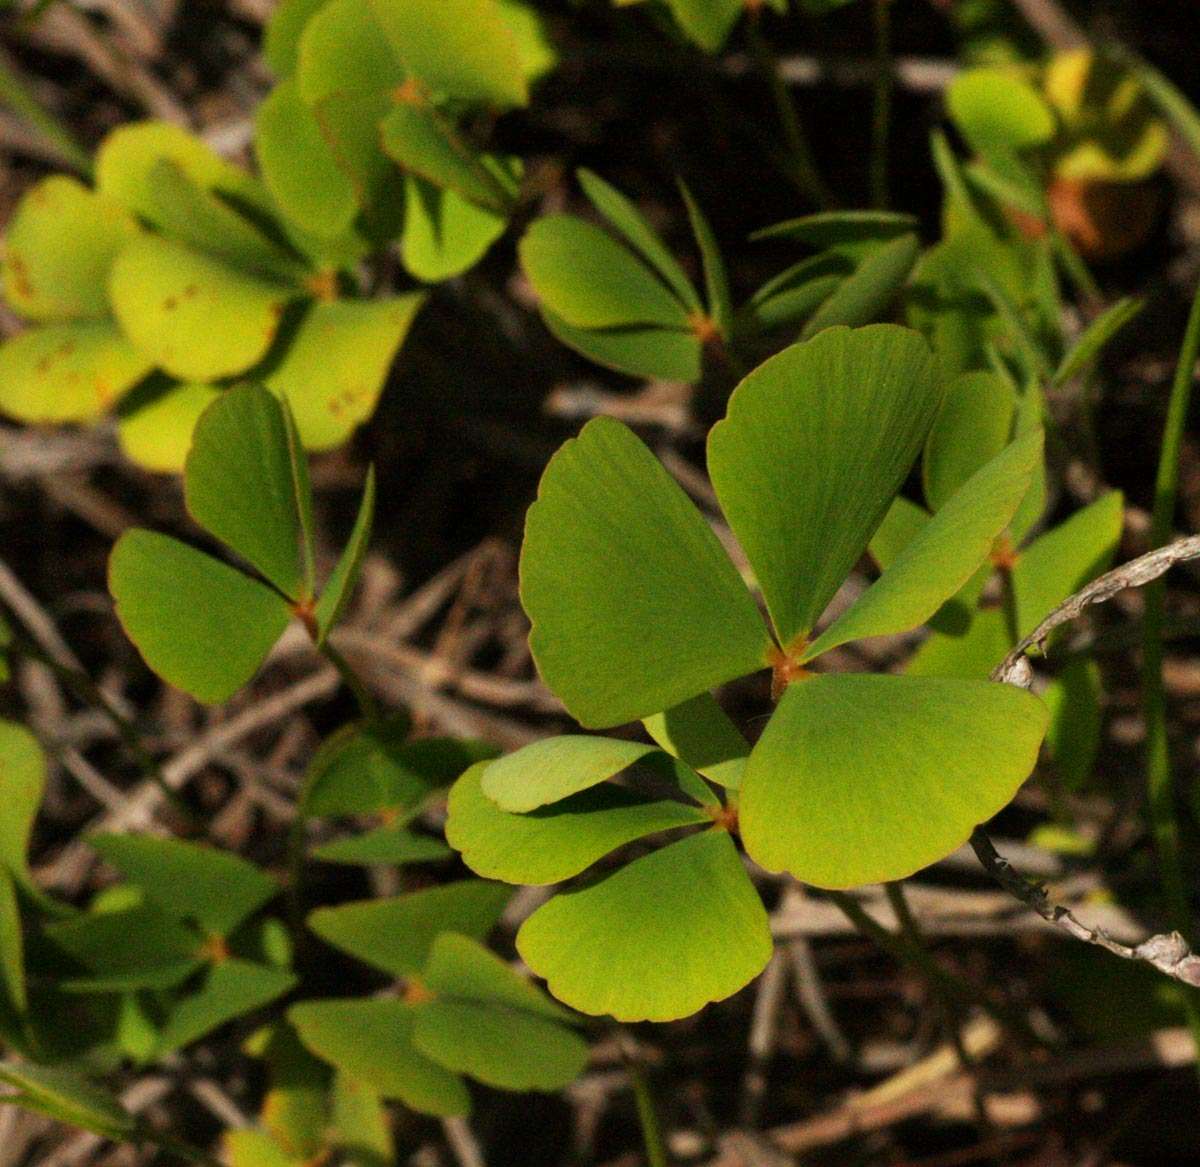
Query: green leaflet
{"x": 635, "y": 605}
{"x": 177, "y": 603}
{"x": 861, "y": 778}
{"x": 944, "y": 554}
{"x": 397, "y": 934}
{"x": 555, "y": 842}
{"x": 814, "y": 447}
{"x": 690, "y": 904}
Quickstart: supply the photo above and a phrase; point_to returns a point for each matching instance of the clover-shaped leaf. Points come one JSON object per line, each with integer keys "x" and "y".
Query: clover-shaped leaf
{"x": 392, "y": 845}
{"x": 822, "y": 800}
{"x": 555, "y": 842}
{"x": 397, "y": 934}
{"x": 700, "y": 733}
{"x": 972, "y": 426}
{"x": 864, "y": 295}
{"x": 156, "y": 431}
{"x": 444, "y": 233}
{"x": 247, "y": 482}
{"x": 635, "y": 605}
{"x": 690, "y": 904}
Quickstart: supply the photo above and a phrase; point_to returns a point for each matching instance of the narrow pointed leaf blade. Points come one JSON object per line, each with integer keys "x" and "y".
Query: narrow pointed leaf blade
{"x": 239, "y": 484}
{"x": 337, "y": 363}
{"x": 231, "y": 989}
{"x": 641, "y": 350}
{"x": 58, "y": 247}
{"x": 944, "y": 555}
{"x": 971, "y": 428}
{"x": 199, "y": 624}
{"x": 716, "y": 279}
{"x": 68, "y": 1097}
{"x": 700, "y": 733}
{"x": 1093, "y": 339}
{"x": 861, "y": 778}
{"x": 67, "y": 372}
{"x": 815, "y": 445}
{"x": 462, "y": 48}
{"x": 865, "y": 295}
{"x": 555, "y": 842}
{"x": 345, "y": 575}
{"x": 157, "y": 433}
{"x": 845, "y": 232}
{"x": 627, "y": 219}
{"x": 585, "y": 276}
{"x": 635, "y": 606}
{"x": 189, "y": 881}
{"x": 192, "y": 315}
{"x": 657, "y": 940}
{"x": 554, "y": 768}
{"x": 396, "y": 935}
{"x": 372, "y": 1041}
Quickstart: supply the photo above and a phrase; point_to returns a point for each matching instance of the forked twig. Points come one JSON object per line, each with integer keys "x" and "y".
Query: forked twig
{"x": 1168, "y": 952}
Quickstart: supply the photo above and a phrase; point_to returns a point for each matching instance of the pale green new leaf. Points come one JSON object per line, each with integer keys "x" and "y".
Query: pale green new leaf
{"x": 444, "y": 234}
{"x": 336, "y": 364}
{"x": 192, "y": 315}
{"x": 591, "y": 281}
{"x": 626, "y": 218}
{"x": 396, "y": 934}
{"x": 67, "y": 1097}
{"x": 461, "y": 48}
{"x": 635, "y": 606}
{"x": 67, "y": 372}
{"x": 865, "y": 295}
{"x": 700, "y": 733}
{"x": 127, "y": 156}
{"x": 972, "y": 427}
{"x": 239, "y": 484}
{"x": 200, "y": 624}
{"x": 554, "y": 768}
{"x": 815, "y": 445}
{"x": 944, "y": 554}
{"x": 58, "y": 247}
{"x": 995, "y": 108}
{"x": 657, "y": 940}
{"x": 157, "y": 433}
{"x": 555, "y": 842}
{"x": 189, "y": 881}
{"x": 861, "y": 778}
{"x": 372, "y": 1041}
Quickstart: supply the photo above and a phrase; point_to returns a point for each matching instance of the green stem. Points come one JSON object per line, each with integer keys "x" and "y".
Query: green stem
{"x": 1159, "y": 779}
{"x": 362, "y": 695}
{"x": 14, "y": 93}
{"x": 87, "y": 691}
{"x": 652, "y": 1138}
{"x": 801, "y": 165}
{"x": 881, "y": 113}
